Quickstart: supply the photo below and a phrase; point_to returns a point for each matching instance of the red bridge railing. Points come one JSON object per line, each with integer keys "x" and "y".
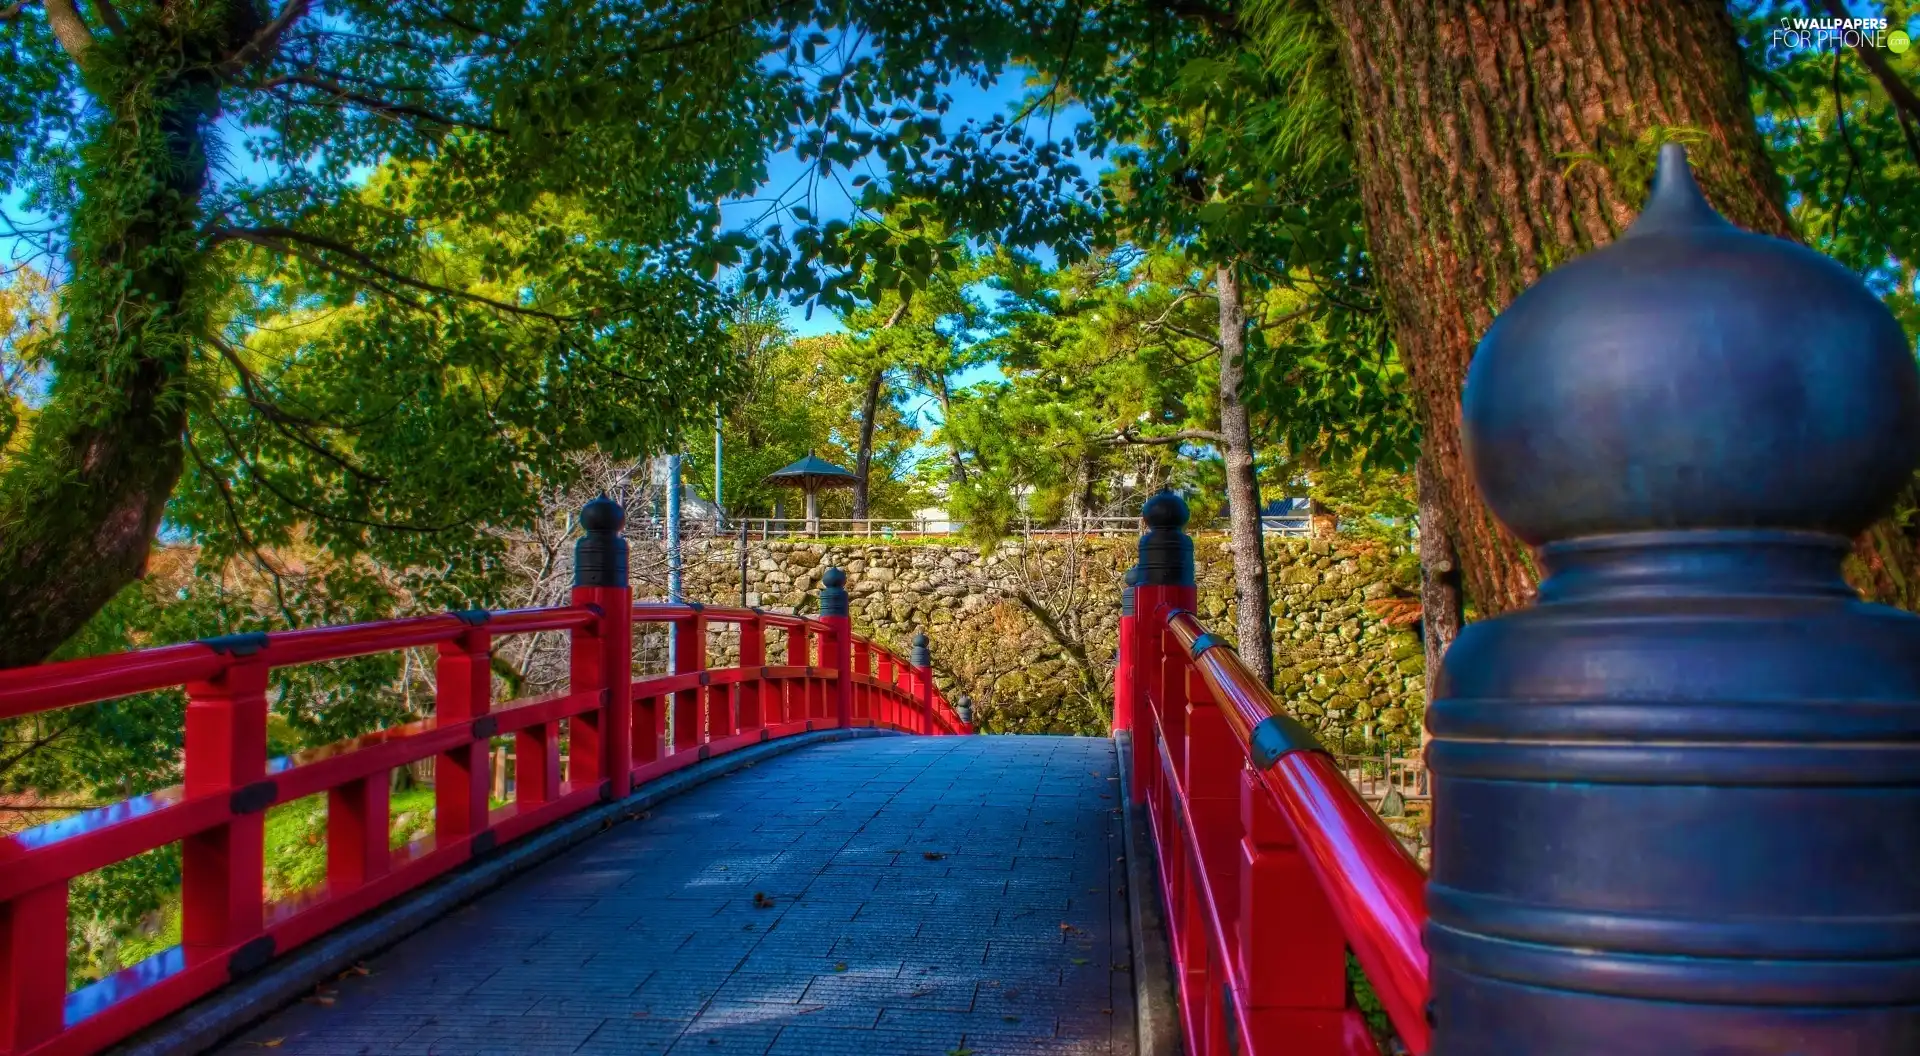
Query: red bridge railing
{"x": 614, "y": 725}
{"x": 1271, "y": 864}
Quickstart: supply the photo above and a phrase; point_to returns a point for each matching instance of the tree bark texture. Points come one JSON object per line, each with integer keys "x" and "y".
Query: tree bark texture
{"x": 1495, "y": 140}
{"x": 1252, "y": 604}
{"x": 81, "y": 504}
{"x": 1442, "y": 607}
{"x": 863, "y": 461}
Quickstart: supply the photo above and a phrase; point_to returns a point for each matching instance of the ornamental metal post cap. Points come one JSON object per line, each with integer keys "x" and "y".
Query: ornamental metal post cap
{"x": 600, "y": 556}
{"x": 964, "y": 708}
{"x": 1131, "y": 579}
{"x": 922, "y": 656}
{"x": 1676, "y": 805}
{"x": 833, "y": 593}
{"x": 602, "y": 514}
{"x": 1166, "y": 553}
{"x": 1692, "y": 375}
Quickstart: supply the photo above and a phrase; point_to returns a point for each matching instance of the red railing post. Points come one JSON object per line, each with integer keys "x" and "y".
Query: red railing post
{"x": 358, "y": 824}
{"x": 33, "y": 967}
{"x": 753, "y": 655}
{"x": 226, "y": 751}
{"x": 689, "y": 656}
{"x": 922, "y": 661}
{"x": 600, "y": 742}
{"x": 796, "y": 695}
{"x": 838, "y": 649}
{"x": 863, "y": 669}
{"x": 1123, "y": 668}
{"x": 1291, "y": 949}
{"x": 463, "y": 689}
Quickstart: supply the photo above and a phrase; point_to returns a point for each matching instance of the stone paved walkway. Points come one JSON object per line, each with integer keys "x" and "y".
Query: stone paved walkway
{"x": 937, "y": 895}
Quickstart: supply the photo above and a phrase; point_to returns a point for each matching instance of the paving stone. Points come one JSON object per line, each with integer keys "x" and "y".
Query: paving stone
{"x": 918, "y": 889}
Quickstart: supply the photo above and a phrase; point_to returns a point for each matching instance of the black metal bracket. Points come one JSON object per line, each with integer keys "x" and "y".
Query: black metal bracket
{"x": 253, "y": 798}
{"x": 485, "y": 727}
{"x": 1277, "y": 735}
{"x": 1205, "y": 642}
{"x": 482, "y": 843}
{"x": 245, "y": 643}
{"x": 472, "y": 617}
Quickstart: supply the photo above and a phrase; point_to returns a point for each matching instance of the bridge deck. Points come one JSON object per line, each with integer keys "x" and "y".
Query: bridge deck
{"x": 932, "y": 895}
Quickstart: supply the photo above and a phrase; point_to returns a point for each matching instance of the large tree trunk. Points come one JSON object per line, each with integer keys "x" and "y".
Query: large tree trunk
{"x": 1251, "y": 600}
{"x": 863, "y": 461}
{"x": 1495, "y": 140}
{"x": 79, "y": 507}
{"x": 1441, "y": 605}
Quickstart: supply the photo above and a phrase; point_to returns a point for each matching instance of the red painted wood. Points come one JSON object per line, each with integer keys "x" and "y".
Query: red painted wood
{"x": 689, "y": 657}
{"x": 753, "y": 655}
{"x": 357, "y": 828}
{"x": 1123, "y": 694}
{"x": 225, "y": 739}
{"x": 1269, "y": 876}
{"x": 33, "y": 966}
{"x": 220, "y": 868}
{"x": 463, "y": 690}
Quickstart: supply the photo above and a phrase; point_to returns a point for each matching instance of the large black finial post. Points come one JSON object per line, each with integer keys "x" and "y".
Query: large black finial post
{"x": 1165, "y": 586}
{"x": 839, "y": 643}
{"x": 1166, "y": 552}
{"x": 601, "y": 742}
{"x": 1677, "y": 804}
{"x": 921, "y": 656}
{"x": 833, "y": 593}
{"x": 600, "y": 557}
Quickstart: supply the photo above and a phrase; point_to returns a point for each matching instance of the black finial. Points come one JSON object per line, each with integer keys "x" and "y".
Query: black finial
{"x": 922, "y": 655}
{"x": 600, "y": 557}
{"x": 1131, "y": 579}
{"x": 1692, "y": 376}
{"x": 1674, "y": 201}
{"x": 833, "y": 593}
{"x": 1165, "y": 510}
{"x": 964, "y": 708}
{"x": 1166, "y": 554}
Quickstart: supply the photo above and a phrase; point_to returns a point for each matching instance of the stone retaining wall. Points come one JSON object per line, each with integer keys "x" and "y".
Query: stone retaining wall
{"x": 1028, "y": 630}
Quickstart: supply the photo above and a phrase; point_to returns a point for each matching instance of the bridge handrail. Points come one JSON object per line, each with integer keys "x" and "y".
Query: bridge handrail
{"x": 830, "y": 678}
{"x": 1272, "y": 869}
{"x": 1376, "y": 889}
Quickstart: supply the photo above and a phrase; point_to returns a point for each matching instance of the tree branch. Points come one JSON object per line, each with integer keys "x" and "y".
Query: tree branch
{"x": 265, "y": 42}
{"x": 1128, "y": 436}
{"x": 277, "y": 239}
{"x": 374, "y": 104}
{"x": 109, "y": 15}
{"x": 287, "y": 425}
{"x": 1903, "y": 96}
{"x": 68, "y": 27}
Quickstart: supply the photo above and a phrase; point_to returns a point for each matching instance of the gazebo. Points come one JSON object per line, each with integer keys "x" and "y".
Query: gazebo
{"x": 810, "y": 474}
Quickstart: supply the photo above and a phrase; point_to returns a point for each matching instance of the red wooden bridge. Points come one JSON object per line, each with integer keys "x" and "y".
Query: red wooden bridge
{"x": 906, "y": 892}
